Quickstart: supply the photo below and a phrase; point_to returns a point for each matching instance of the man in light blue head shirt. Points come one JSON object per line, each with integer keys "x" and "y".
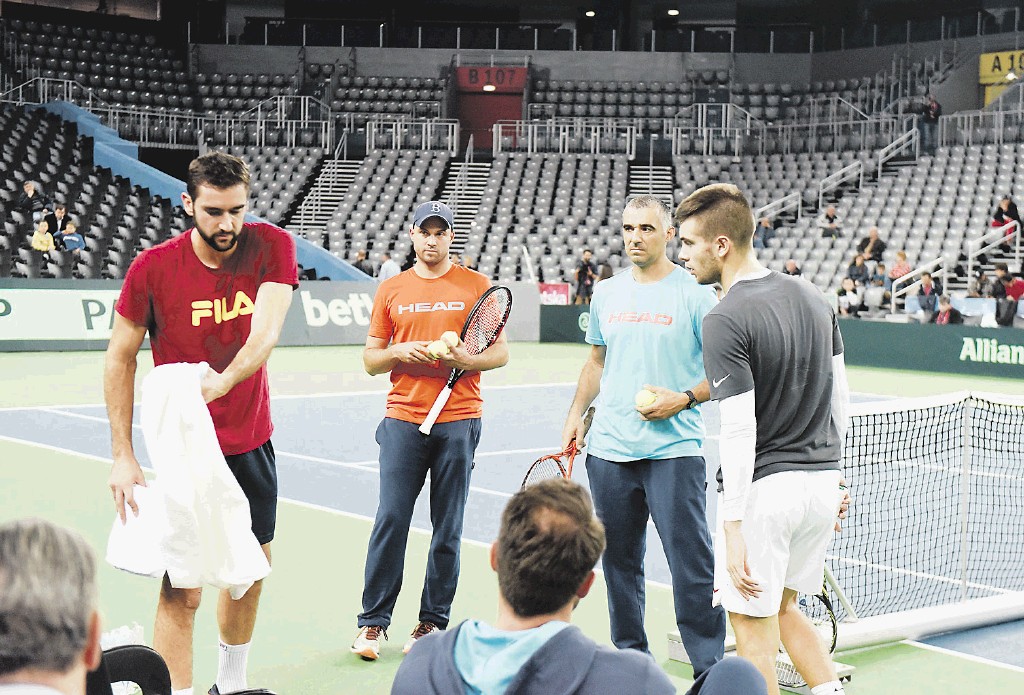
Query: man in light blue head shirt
{"x": 647, "y": 460}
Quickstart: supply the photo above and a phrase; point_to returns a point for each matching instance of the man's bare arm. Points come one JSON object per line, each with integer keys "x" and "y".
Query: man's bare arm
{"x": 119, "y": 394}
{"x": 269, "y": 312}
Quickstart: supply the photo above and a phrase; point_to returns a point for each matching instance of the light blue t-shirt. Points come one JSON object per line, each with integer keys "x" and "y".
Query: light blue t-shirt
{"x": 488, "y": 659}
{"x": 652, "y": 336}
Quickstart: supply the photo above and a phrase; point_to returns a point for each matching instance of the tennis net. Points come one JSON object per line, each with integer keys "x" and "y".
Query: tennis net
{"x": 938, "y": 510}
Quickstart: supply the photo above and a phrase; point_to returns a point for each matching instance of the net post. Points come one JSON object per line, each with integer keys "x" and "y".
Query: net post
{"x": 965, "y": 494}
{"x": 851, "y": 614}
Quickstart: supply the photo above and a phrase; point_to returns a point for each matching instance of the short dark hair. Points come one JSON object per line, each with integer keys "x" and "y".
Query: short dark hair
{"x": 216, "y": 169}
{"x": 549, "y": 541}
{"x": 1003, "y": 267}
{"x": 723, "y": 209}
{"x": 60, "y": 206}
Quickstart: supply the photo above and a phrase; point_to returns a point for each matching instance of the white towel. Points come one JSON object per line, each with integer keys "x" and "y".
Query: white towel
{"x": 203, "y": 531}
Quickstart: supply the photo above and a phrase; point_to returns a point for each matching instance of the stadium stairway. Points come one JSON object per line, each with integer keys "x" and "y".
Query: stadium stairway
{"x": 468, "y": 202}
{"x": 325, "y": 196}
{"x": 654, "y": 180}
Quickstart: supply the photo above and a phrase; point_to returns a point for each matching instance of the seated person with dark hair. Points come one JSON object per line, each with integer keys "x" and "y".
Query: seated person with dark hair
{"x": 946, "y": 313}
{"x": 929, "y": 292}
{"x": 547, "y": 547}
{"x": 857, "y": 271}
{"x": 871, "y": 246}
{"x": 58, "y": 221}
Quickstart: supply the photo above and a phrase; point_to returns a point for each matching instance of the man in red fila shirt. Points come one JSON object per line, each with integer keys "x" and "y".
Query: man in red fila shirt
{"x": 219, "y": 294}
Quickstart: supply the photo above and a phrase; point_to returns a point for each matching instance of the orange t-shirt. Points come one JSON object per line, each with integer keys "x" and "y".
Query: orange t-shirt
{"x": 408, "y": 307}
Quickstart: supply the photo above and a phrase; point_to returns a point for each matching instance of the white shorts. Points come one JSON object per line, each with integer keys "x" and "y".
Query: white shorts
{"x": 787, "y": 527}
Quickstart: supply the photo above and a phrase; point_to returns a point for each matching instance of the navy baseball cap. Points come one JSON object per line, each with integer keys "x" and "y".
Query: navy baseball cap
{"x": 434, "y": 208}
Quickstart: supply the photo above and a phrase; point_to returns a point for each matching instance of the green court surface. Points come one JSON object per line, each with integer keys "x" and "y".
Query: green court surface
{"x": 307, "y": 617}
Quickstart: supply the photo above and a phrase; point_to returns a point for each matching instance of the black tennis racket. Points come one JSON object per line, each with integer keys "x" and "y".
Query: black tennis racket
{"x": 557, "y": 465}
{"x": 818, "y": 608}
{"x": 483, "y": 326}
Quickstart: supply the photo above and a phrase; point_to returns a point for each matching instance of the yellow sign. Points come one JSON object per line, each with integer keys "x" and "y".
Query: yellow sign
{"x": 993, "y": 67}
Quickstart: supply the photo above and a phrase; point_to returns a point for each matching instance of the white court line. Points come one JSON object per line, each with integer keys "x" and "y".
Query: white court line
{"x": 342, "y": 394}
{"x": 915, "y": 573}
{"x": 298, "y": 503}
{"x": 965, "y": 656}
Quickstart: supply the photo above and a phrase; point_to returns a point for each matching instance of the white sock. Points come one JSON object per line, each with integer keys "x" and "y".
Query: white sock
{"x": 231, "y": 667}
{"x": 183, "y": 691}
{"x": 830, "y": 688}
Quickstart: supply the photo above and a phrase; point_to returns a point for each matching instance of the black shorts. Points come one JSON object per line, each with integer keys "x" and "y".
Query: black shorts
{"x": 256, "y": 473}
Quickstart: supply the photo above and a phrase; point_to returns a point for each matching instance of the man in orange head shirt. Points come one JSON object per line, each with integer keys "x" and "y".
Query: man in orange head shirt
{"x": 410, "y": 311}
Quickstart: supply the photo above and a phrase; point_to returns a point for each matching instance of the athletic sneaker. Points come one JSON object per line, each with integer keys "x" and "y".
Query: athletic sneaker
{"x": 423, "y": 628}
{"x": 367, "y": 644}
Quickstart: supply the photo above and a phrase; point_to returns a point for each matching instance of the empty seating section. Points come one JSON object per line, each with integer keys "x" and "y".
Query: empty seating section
{"x": 131, "y": 69}
{"x": 279, "y": 177}
{"x": 389, "y": 96}
{"x": 550, "y": 205}
{"x": 116, "y": 219}
{"x": 241, "y": 92}
{"x": 377, "y": 208}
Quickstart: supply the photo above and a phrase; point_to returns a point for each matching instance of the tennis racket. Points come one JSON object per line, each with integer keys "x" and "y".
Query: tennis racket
{"x": 818, "y": 608}
{"x": 483, "y": 326}
{"x": 551, "y": 466}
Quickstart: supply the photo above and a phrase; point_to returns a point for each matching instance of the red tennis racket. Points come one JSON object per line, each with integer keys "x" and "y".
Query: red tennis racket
{"x": 483, "y": 326}
{"x": 551, "y": 466}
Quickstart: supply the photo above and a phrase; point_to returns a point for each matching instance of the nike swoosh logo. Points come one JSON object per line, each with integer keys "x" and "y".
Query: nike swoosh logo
{"x": 718, "y": 382}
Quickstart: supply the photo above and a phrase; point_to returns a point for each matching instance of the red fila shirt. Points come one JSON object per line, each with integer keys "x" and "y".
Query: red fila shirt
{"x": 200, "y": 314}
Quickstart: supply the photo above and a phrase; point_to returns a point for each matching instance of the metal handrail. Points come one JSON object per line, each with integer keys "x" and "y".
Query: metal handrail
{"x": 912, "y": 280}
{"x": 781, "y": 205}
{"x": 590, "y": 136}
{"x": 462, "y": 178}
{"x": 833, "y": 181}
{"x": 431, "y": 131}
{"x": 988, "y": 242}
{"x": 909, "y": 139}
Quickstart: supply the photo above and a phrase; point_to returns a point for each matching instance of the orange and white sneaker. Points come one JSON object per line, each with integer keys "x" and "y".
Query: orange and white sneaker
{"x": 422, "y": 628}
{"x": 367, "y": 644}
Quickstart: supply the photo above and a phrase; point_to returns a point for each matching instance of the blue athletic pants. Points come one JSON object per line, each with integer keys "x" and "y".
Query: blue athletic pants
{"x": 672, "y": 492}
{"x": 406, "y": 456}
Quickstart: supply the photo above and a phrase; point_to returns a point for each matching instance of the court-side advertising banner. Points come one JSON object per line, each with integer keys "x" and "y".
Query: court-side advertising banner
{"x": 79, "y": 315}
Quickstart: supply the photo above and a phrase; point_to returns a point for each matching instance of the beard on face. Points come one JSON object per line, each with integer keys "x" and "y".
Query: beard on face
{"x": 213, "y": 243}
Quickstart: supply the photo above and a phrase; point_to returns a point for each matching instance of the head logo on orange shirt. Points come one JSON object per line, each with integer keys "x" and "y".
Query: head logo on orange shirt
{"x": 424, "y": 307}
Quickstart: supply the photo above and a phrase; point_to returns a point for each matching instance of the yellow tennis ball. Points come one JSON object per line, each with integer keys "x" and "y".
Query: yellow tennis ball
{"x": 438, "y": 349}
{"x": 451, "y": 338}
{"x": 645, "y": 397}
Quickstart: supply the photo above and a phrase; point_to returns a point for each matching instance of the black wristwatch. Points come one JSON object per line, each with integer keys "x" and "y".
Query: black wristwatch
{"x": 693, "y": 399}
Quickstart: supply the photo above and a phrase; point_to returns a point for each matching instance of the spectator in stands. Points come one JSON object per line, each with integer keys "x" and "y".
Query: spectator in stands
{"x": 71, "y": 240}
{"x": 930, "y": 124}
{"x": 58, "y": 221}
{"x": 42, "y": 240}
{"x": 49, "y": 618}
{"x": 469, "y": 262}
{"x": 858, "y": 271}
{"x": 605, "y": 271}
{"x": 764, "y": 232}
{"x": 899, "y": 269}
{"x": 586, "y": 275}
{"x": 362, "y": 263}
{"x": 878, "y": 276}
{"x": 850, "y": 298}
{"x": 547, "y": 546}
{"x": 1006, "y": 212}
{"x": 1013, "y": 287}
{"x": 980, "y": 286}
{"x": 928, "y": 293}
{"x": 455, "y": 259}
{"x": 828, "y": 223}
{"x": 998, "y": 288}
{"x": 388, "y": 267}
{"x": 791, "y": 268}
{"x": 871, "y": 246}
{"x": 33, "y": 201}
{"x": 946, "y": 313}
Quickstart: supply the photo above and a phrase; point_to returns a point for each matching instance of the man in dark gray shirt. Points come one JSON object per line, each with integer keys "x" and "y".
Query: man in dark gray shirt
{"x": 774, "y": 359}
